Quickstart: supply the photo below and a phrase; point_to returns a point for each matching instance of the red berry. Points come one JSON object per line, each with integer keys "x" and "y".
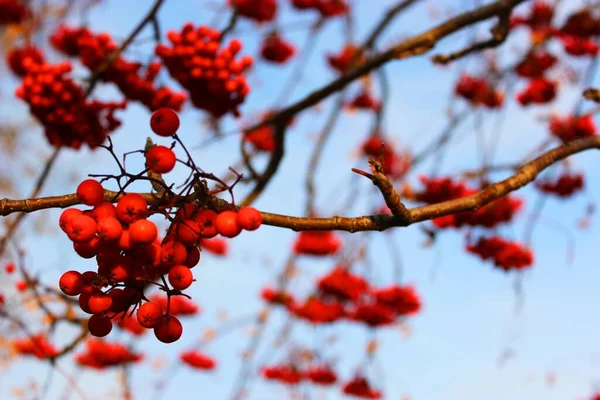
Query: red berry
{"x": 149, "y": 314}
{"x": 81, "y": 228}
{"x": 88, "y": 249}
{"x": 227, "y": 225}
{"x": 99, "y": 325}
{"x": 160, "y": 159}
{"x": 10, "y": 268}
{"x": 173, "y": 253}
{"x": 83, "y": 300}
{"x": 90, "y": 192}
{"x": 180, "y": 277}
{"x": 164, "y": 122}
{"x": 206, "y": 221}
{"x": 143, "y": 231}
{"x": 120, "y": 272}
{"x": 71, "y": 283}
{"x": 249, "y": 218}
{"x": 188, "y": 232}
{"x": 131, "y": 207}
{"x": 119, "y": 300}
{"x": 99, "y": 302}
{"x": 66, "y": 217}
{"x": 124, "y": 242}
{"x": 193, "y": 257}
{"x": 169, "y": 329}
{"x": 109, "y": 229}
{"x": 103, "y": 210}
{"x": 21, "y": 286}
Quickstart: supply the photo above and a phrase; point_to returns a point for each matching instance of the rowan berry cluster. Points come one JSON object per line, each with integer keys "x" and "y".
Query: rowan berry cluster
{"x": 578, "y": 34}
{"x": 564, "y": 186}
{"x": 256, "y": 10}
{"x": 442, "y": 189}
{"x": 572, "y": 127}
{"x": 198, "y": 360}
{"x": 13, "y": 12}
{"x": 292, "y": 374}
{"x": 478, "y": 91}
{"x": 101, "y": 355}
{"x": 317, "y": 243}
{"x": 276, "y": 50}
{"x": 327, "y": 8}
{"x": 505, "y": 254}
{"x": 36, "y": 345}
{"x": 94, "y": 50}
{"x": 59, "y": 103}
{"x": 535, "y": 64}
{"x": 130, "y": 255}
{"x": 207, "y": 69}
{"x": 343, "y": 295}
{"x": 538, "y": 91}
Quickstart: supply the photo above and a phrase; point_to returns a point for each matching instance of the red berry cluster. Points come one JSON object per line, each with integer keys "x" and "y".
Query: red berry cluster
{"x": 317, "y": 243}
{"x": 36, "y": 345}
{"x": 59, "y": 104}
{"x": 359, "y": 386}
{"x": 291, "y": 374}
{"x": 13, "y": 12}
{"x": 197, "y": 360}
{"x": 535, "y": 64}
{"x": 343, "y": 61}
{"x": 101, "y": 355}
{"x": 579, "y": 34}
{"x": 318, "y": 310}
{"x": 565, "y": 186}
{"x": 208, "y": 70}
{"x": 327, "y": 8}
{"x": 95, "y": 49}
{"x": 395, "y": 165}
{"x": 572, "y": 127}
{"x": 129, "y": 255}
{"x": 538, "y": 91}
{"x": 364, "y": 101}
{"x": 437, "y": 190}
{"x": 257, "y": 10}
{"x": 478, "y": 91}
{"x": 276, "y": 50}
{"x": 341, "y": 294}
{"x": 539, "y": 17}
{"x": 342, "y": 285}
{"x": 287, "y": 374}
{"x": 501, "y": 211}
{"x": 505, "y": 254}
{"x": 443, "y": 189}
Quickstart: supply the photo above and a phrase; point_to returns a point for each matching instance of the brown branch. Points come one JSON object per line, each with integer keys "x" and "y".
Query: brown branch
{"x": 526, "y": 174}
{"x": 391, "y": 197}
{"x": 592, "y": 94}
{"x": 499, "y": 32}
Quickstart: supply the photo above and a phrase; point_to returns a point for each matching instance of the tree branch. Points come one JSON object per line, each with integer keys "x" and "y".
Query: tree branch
{"x": 526, "y": 174}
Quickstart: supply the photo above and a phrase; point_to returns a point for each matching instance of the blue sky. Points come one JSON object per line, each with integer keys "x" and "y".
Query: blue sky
{"x": 469, "y": 316}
